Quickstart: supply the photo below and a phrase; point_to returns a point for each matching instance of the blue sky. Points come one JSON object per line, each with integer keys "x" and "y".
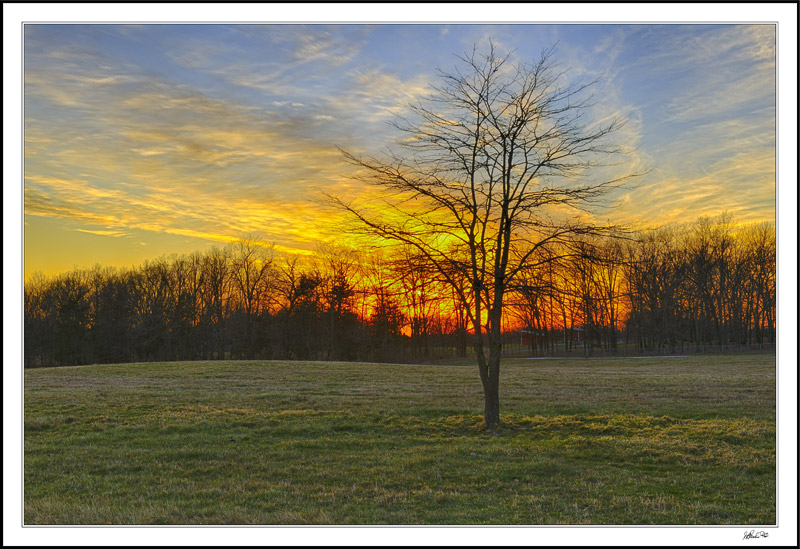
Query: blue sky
{"x": 143, "y": 140}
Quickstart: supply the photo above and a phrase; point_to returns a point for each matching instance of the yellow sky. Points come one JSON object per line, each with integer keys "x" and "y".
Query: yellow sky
{"x": 157, "y": 139}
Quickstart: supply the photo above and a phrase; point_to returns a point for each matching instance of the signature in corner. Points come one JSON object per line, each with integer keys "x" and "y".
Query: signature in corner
{"x": 752, "y": 534}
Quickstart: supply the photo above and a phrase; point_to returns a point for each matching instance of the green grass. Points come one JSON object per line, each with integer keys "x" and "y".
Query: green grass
{"x": 653, "y": 441}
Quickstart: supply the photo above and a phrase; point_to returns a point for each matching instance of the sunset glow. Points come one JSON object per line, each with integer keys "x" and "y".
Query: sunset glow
{"x": 145, "y": 140}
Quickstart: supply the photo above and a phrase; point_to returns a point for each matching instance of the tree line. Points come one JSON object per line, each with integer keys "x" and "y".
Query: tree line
{"x": 711, "y": 282}
{"x": 708, "y": 282}
{"x": 241, "y": 301}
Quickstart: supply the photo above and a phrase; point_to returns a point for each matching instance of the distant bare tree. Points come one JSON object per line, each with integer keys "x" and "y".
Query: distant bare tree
{"x": 253, "y": 278}
{"x": 298, "y": 293}
{"x": 489, "y": 170}
{"x": 418, "y": 284}
{"x": 760, "y": 246}
{"x": 385, "y": 318}
{"x": 155, "y": 299}
{"x": 341, "y": 268}
{"x": 530, "y": 295}
{"x": 215, "y": 298}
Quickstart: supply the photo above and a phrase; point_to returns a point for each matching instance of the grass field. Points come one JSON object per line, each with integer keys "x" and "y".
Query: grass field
{"x": 618, "y": 441}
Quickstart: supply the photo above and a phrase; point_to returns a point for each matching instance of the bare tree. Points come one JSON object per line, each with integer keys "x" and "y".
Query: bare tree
{"x": 380, "y": 296}
{"x": 215, "y": 298}
{"x": 418, "y": 283}
{"x": 531, "y": 296}
{"x": 287, "y": 290}
{"x": 341, "y": 267}
{"x": 253, "y": 278}
{"x": 489, "y": 170}
{"x": 759, "y": 242}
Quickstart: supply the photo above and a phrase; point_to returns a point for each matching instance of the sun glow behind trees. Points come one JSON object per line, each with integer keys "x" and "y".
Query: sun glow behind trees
{"x": 707, "y": 282}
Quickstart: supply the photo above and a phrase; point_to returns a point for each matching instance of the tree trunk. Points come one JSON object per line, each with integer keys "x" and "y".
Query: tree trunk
{"x": 491, "y": 382}
{"x": 490, "y": 378}
{"x": 491, "y": 398}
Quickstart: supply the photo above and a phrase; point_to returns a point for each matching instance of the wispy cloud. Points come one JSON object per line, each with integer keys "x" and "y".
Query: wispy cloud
{"x": 215, "y": 132}
{"x": 100, "y": 232}
{"x": 167, "y": 158}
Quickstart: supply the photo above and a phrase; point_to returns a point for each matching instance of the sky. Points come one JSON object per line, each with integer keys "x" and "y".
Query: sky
{"x": 151, "y": 139}
{"x": 685, "y": 83}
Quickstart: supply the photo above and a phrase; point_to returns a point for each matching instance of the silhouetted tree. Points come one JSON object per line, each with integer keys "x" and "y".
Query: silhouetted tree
{"x": 253, "y": 278}
{"x": 215, "y": 300}
{"x": 340, "y": 265}
{"x": 759, "y": 245}
{"x": 656, "y": 286}
{"x": 475, "y": 184}
{"x": 385, "y": 318}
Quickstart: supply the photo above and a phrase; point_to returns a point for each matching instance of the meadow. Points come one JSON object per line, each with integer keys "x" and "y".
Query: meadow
{"x": 682, "y": 441}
